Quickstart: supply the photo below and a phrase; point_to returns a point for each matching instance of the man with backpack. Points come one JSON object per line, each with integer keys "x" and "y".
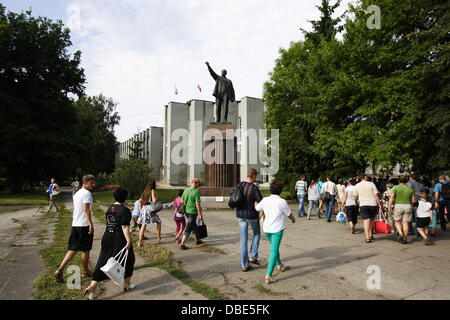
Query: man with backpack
{"x": 248, "y": 216}
{"x": 442, "y": 198}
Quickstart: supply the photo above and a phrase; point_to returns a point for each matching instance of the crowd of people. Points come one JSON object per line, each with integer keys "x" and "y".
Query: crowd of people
{"x": 407, "y": 204}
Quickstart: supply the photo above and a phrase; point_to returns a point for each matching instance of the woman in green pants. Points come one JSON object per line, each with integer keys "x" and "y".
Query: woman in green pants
{"x": 275, "y": 210}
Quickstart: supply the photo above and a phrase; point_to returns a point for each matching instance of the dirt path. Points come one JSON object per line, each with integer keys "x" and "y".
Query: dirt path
{"x": 152, "y": 283}
{"x": 22, "y": 234}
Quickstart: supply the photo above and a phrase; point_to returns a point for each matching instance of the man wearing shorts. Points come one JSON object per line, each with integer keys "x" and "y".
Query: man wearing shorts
{"x": 369, "y": 202}
{"x": 82, "y": 234}
{"x": 403, "y": 197}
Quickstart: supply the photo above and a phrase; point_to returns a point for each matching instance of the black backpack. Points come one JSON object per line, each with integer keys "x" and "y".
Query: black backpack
{"x": 445, "y": 191}
{"x": 236, "y": 197}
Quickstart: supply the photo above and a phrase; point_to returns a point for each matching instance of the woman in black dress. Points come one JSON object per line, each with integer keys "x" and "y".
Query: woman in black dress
{"x": 115, "y": 238}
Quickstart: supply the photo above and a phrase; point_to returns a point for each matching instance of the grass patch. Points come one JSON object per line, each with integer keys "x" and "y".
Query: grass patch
{"x": 23, "y": 198}
{"x": 160, "y": 257}
{"x": 11, "y": 261}
{"x": 261, "y": 289}
{"x": 239, "y": 289}
{"x": 164, "y": 195}
{"x": 46, "y": 287}
{"x": 42, "y": 236}
{"x": 211, "y": 249}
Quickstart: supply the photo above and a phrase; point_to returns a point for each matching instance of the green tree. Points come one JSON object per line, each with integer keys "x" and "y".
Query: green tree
{"x": 133, "y": 175}
{"x": 293, "y": 96}
{"x": 327, "y": 27}
{"x": 37, "y": 75}
{"x": 378, "y": 96}
{"x": 96, "y": 119}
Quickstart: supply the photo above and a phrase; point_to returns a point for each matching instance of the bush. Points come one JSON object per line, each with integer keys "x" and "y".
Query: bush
{"x": 133, "y": 175}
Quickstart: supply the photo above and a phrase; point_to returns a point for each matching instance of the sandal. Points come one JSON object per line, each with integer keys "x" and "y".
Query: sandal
{"x": 183, "y": 247}
{"x": 247, "y": 269}
{"x": 368, "y": 240}
{"x": 87, "y": 274}
{"x": 270, "y": 280}
{"x": 89, "y": 293}
{"x": 129, "y": 288}
{"x": 254, "y": 261}
{"x": 58, "y": 276}
{"x": 283, "y": 268}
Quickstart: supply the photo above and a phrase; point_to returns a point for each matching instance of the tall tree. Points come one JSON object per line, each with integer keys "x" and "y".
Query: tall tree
{"x": 327, "y": 27}
{"x": 37, "y": 75}
{"x": 96, "y": 121}
{"x": 291, "y": 93}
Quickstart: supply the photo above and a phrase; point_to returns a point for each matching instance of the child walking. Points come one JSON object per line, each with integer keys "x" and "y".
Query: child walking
{"x": 424, "y": 216}
{"x": 178, "y": 217}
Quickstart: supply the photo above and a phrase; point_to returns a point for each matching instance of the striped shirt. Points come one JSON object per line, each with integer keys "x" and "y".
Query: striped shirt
{"x": 301, "y": 187}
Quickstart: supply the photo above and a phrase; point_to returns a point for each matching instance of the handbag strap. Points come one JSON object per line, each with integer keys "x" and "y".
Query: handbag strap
{"x": 117, "y": 256}
{"x": 381, "y": 215}
{"x": 124, "y": 257}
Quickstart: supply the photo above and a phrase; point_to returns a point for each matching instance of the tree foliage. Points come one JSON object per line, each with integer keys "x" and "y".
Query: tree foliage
{"x": 133, "y": 175}
{"x": 36, "y": 75}
{"x": 96, "y": 121}
{"x": 44, "y": 133}
{"x": 377, "y": 96}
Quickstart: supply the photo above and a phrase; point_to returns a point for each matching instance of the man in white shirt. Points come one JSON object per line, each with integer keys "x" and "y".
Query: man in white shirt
{"x": 82, "y": 234}
{"x": 330, "y": 191}
{"x": 367, "y": 194}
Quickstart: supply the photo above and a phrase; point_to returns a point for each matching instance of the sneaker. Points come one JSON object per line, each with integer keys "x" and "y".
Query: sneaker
{"x": 198, "y": 242}
{"x": 400, "y": 239}
{"x": 183, "y": 247}
{"x": 254, "y": 261}
{"x": 405, "y": 240}
{"x": 428, "y": 242}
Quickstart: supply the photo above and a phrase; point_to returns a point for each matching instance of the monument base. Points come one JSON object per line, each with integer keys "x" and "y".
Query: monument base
{"x": 222, "y": 169}
{"x": 215, "y": 192}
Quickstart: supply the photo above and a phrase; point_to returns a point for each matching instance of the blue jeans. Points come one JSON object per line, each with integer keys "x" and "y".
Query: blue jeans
{"x": 329, "y": 205}
{"x": 301, "y": 202}
{"x": 313, "y": 203}
{"x": 243, "y": 226}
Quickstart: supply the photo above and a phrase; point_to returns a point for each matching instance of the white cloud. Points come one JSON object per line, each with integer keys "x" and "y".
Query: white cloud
{"x": 136, "y": 51}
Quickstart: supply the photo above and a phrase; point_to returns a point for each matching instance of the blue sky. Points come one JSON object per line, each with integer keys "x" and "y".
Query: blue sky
{"x": 137, "y": 51}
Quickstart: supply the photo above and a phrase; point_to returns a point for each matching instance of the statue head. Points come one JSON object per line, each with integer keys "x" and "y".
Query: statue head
{"x": 224, "y": 73}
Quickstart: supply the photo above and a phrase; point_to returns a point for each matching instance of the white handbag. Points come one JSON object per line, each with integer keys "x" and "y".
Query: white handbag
{"x": 115, "y": 267}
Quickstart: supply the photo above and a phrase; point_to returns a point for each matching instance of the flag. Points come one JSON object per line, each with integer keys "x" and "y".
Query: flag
{"x": 199, "y": 88}
{"x": 176, "y": 90}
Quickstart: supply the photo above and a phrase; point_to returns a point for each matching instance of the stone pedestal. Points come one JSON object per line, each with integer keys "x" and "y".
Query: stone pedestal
{"x": 220, "y": 163}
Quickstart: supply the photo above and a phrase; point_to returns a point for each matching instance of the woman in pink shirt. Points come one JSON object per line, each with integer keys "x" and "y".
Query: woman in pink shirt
{"x": 178, "y": 217}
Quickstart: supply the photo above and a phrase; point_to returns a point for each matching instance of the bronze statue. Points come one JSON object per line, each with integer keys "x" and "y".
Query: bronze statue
{"x": 223, "y": 91}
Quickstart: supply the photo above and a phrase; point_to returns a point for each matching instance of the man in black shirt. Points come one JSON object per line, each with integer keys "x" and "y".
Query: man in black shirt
{"x": 248, "y": 215}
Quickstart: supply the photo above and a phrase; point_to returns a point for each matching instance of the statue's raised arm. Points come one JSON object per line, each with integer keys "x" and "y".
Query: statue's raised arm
{"x": 211, "y": 71}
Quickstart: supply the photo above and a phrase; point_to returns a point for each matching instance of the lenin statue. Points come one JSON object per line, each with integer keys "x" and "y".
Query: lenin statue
{"x": 223, "y": 91}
